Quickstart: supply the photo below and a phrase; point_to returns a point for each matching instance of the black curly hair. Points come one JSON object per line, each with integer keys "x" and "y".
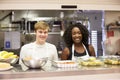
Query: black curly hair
{"x": 67, "y": 36}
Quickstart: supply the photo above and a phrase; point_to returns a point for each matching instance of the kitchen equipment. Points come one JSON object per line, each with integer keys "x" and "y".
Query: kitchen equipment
{"x": 56, "y": 28}
{"x": 35, "y": 63}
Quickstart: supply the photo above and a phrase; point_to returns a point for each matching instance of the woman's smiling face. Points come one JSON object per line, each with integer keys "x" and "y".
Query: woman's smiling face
{"x": 76, "y": 35}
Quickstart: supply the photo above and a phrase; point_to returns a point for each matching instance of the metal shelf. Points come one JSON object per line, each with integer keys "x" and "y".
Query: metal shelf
{"x": 48, "y": 33}
{"x": 113, "y": 27}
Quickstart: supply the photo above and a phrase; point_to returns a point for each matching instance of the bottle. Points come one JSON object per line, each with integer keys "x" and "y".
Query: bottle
{"x": 59, "y": 48}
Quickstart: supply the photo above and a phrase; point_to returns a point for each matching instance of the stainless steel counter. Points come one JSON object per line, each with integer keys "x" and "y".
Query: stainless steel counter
{"x": 18, "y": 73}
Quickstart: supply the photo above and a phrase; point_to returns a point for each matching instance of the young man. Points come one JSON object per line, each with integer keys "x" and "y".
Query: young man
{"x": 39, "y": 48}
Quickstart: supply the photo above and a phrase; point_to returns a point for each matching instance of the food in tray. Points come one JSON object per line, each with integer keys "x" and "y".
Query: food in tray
{"x": 112, "y": 61}
{"x": 6, "y": 55}
{"x": 92, "y": 58}
{"x": 4, "y": 65}
{"x": 91, "y": 61}
{"x": 64, "y": 63}
{"x": 69, "y": 62}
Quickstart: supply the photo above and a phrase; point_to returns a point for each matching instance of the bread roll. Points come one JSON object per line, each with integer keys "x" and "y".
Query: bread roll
{"x": 4, "y": 65}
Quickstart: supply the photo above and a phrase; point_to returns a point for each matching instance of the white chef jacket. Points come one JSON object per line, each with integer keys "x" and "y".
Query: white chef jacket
{"x": 39, "y": 51}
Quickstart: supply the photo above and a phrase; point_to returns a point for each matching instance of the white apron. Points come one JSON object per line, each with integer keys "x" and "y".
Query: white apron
{"x": 82, "y": 57}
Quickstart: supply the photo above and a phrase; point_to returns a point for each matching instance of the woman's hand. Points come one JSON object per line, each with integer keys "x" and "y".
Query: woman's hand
{"x": 65, "y": 54}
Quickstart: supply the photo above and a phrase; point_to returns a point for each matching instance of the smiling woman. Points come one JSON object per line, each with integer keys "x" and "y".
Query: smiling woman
{"x": 76, "y": 39}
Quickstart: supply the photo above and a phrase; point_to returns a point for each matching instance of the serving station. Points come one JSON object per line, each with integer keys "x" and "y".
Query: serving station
{"x": 98, "y": 72}
{"x": 18, "y": 74}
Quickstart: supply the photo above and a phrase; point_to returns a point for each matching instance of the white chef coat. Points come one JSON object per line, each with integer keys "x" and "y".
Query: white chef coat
{"x": 39, "y": 51}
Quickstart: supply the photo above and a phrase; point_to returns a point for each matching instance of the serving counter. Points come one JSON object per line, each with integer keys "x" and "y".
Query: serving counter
{"x": 108, "y": 72}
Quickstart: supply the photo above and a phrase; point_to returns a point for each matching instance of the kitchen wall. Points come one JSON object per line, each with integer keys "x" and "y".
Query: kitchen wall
{"x": 56, "y": 4}
{"x": 108, "y": 5}
{"x": 94, "y": 17}
{"x": 112, "y": 16}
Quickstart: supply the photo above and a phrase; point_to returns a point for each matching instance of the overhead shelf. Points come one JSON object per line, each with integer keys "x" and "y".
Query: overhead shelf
{"x": 9, "y": 28}
{"x": 113, "y": 27}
